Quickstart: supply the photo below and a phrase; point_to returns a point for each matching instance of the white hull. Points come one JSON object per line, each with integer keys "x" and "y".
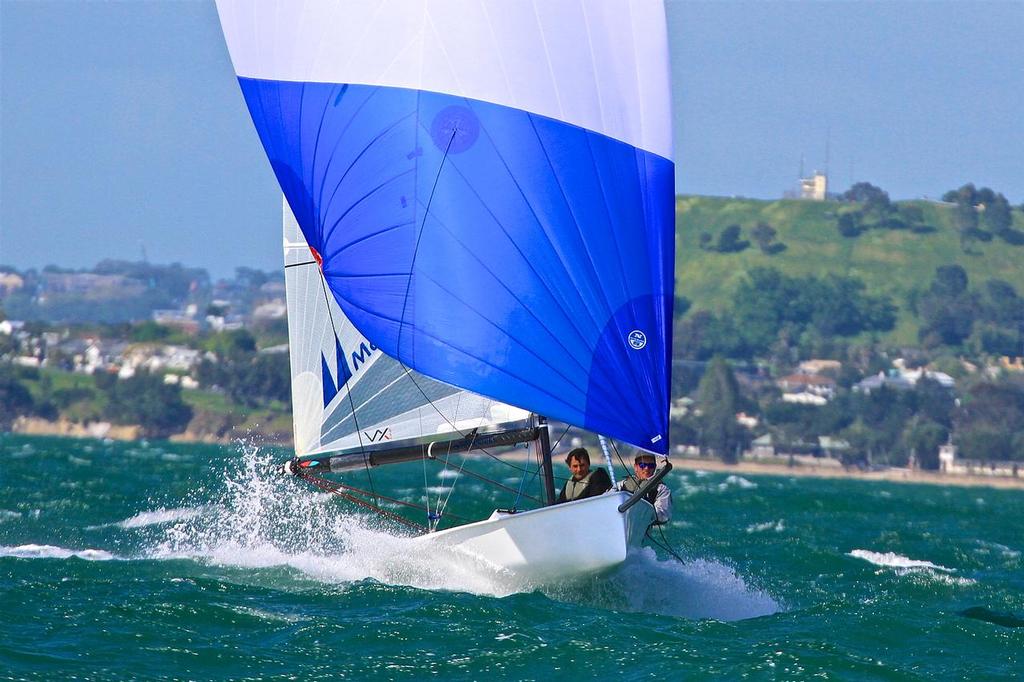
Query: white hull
{"x": 552, "y": 543}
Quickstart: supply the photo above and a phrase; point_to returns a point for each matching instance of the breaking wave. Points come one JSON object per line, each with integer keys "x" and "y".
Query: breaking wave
{"x": 916, "y": 569}
{"x": 159, "y": 516}
{"x": 893, "y": 560}
{"x": 776, "y": 526}
{"x": 52, "y": 552}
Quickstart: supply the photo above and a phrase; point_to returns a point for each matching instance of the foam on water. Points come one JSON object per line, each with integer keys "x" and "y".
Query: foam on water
{"x": 736, "y": 481}
{"x": 916, "y": 570}
{"x": 159, "y": 516}
{"x": 699, "y": 588}
{"x": 776, "y": 526}
{"x": 893, "y": 560}
{"x": 52, "y": 552}
{"x": 261, "y": 520}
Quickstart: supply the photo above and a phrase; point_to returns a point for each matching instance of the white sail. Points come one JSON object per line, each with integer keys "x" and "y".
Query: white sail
{"x": 346, "y": 393}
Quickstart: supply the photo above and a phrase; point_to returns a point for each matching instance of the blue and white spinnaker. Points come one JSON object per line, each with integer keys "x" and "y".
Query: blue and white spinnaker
{"x": 488, "y": 185}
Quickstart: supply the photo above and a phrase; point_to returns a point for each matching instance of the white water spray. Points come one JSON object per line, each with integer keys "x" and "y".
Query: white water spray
{"x": 259, "y": 519}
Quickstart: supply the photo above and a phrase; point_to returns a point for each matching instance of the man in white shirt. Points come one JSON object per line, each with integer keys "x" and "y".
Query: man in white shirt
{"x": 661, "y": 497}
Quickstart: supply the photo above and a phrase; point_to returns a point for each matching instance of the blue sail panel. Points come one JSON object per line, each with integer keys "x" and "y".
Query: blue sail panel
{"x": 513, "y": 255}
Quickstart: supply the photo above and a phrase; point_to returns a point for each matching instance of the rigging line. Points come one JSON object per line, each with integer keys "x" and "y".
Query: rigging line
{"x": 408, "y": 283}
{"x": 393, "y": 500}
{"x": 664, "y": 545}
{"x": 458, "y": 474}
{"x": 523, "y": 482}
{"x": 426, "y": 487}
{"x": 326, "y": 486}
{"x": 617, "y": 454}
{"x": 419, "y": 237}
{"x": 348, "y": 393}
{"x": 483, "y": 478}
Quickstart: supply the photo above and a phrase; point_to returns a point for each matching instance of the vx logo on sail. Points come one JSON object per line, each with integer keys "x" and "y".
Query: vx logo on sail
{"x": 379, "y": 434}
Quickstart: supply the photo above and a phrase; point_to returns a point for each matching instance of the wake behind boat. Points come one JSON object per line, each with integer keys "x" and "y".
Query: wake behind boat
{"x": 478, "y": 236}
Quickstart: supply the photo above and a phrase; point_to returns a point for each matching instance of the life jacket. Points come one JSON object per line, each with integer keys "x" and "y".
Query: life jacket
{"x": 631, "y": 485}
{"x": 573, "y": 488}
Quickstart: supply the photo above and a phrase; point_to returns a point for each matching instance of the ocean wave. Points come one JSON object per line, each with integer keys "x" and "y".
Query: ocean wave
{"x": 53, "y": 552}
{"x": 159, "y": 516}
{"x": 916, "y": 570}
{"x": 736, "y": 481}
{"x": 984, "y": 547}
{"x": 777, "y": 526}
{"x": 154, "y": 517}
{"x": 893, "y": 560}
{"x": 697, "y": 589}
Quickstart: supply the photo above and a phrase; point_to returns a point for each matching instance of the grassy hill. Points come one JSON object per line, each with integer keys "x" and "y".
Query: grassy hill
{"x": 891, "y": 262}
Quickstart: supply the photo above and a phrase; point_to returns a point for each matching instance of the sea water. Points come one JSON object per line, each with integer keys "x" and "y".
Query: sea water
{"x": 173, "y": 561}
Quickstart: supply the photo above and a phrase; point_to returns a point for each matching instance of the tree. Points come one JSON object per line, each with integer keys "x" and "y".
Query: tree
{"x": 965, "y": 216}
{"x": 997, "y": 216}
{"x": 718, "y": 399}
{"x": 950, "y": 281}
{"x": 230, "y": 344}
{"x": 934, "y": 402}
{"x": 947, "y": 310}
{"x": 729, "y": 240}
{"x": 849, "y": 224}
{"x": 15, "y": 399}
{"x": 764, "y": 234}
{"x": 988, "y": 421}
{"x": 145, "y": 399}
{"x": 149, "y": 331}
{"x": 866, "y": 193}
{"x": 922, "y": 438}
{"x": 967, "y": 194}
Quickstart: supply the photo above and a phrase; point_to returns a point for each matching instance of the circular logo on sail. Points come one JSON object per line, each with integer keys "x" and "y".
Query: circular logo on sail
{"x": 637, "y": 339}
{"x": 455, "y": 129}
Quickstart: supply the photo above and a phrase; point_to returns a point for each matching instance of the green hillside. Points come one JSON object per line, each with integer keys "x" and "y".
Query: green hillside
{"x": 890, "y": 262}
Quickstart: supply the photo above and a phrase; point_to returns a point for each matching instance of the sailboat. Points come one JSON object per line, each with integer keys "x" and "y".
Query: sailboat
{"x": 478, "y": 240}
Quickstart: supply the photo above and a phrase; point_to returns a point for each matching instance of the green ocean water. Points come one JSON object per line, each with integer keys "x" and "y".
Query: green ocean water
{"x": 171, "y": 561}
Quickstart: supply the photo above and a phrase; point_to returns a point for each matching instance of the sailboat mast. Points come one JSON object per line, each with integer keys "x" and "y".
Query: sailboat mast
{"x": 547, "y": 475}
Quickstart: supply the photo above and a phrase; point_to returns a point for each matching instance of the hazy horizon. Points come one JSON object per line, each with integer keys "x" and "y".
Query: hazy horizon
{"x": 122, "y": 127}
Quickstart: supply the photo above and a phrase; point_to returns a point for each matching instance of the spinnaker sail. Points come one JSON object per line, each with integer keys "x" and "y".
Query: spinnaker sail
{"x": 488, "y": 191}
{"x": 347, "y": 396}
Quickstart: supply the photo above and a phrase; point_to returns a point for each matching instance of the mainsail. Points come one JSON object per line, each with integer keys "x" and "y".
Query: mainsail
{"x": 488, "y": 188}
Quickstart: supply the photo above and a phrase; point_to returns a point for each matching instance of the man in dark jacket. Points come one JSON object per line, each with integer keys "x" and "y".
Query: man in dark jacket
{"x": 584, "y": 482}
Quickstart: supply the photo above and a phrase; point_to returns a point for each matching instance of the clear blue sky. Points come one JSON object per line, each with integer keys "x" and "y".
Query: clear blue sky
{"x": 121, "y": 124}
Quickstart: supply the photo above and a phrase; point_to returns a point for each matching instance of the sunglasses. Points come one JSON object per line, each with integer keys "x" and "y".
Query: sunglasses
{"x": 646, "y": 465}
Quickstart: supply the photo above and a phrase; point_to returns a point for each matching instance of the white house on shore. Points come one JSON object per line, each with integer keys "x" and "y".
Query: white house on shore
{"x": 949, "y": 463}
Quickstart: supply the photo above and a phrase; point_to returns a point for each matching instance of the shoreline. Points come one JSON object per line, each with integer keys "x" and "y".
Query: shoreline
{"x": 891, "y": 475}
{"x": 41, "y": 427}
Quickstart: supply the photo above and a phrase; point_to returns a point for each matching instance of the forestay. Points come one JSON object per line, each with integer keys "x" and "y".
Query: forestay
{"x": 490, "y": 188}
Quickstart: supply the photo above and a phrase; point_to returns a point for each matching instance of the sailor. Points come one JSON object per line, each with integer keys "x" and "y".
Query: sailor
{"x": 584, "y": 482}
{"x": 661, "y": 497}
